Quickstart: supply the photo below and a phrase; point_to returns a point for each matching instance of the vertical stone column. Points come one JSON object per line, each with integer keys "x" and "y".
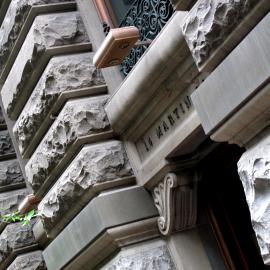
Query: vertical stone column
{"x": 254, "y": 172}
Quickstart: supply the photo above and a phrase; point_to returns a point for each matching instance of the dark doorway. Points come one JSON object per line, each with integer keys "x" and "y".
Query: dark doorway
{"x": 222, "y": 197}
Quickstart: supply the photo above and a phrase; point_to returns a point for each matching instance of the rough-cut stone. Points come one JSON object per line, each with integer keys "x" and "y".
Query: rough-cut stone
{"x": 2, "y": 119}
{"x": 14, "y": 237}
{"x": 6, "y": 146}
{"x": 95, "y": 164}
{"x": 63, "y": 73}
{"x": 157, "y": 258}
{"x": 10, "y": 173}
{"x": 29, "y": 261}
{"x": 13, "y": 22}
{"x": 210, "y": 22}
{"x": 79, "y": 118}
{"x": 9, "y": 201}
{"x": 254, "y": 172}
{"x": 47, "y": 31}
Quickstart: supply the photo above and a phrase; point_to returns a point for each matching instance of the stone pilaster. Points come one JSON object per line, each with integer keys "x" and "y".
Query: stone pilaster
{"x": 254, "y": 172}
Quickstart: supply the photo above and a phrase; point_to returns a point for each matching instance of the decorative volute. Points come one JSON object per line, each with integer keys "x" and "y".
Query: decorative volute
{"x": 176, "y": 200}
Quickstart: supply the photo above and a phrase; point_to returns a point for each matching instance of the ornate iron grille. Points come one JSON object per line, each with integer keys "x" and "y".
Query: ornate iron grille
{"x": 149, "y": 16}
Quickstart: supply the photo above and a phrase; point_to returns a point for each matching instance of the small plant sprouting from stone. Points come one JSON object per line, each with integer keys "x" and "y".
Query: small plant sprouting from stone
{"x": 17, "y": 217}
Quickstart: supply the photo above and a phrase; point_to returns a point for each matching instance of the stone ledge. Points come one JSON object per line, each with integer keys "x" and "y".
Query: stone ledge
{"x": 65, "y": 76}
{"x": 96, "y": 168}
{"x": 59, "y": 33}
{"x": 237, "y": 82}
{"x": 10, "y": 175}
{"x": 18, "y": 16}
{"x": 3, "y": 9}
{"x": 92, "y": 240}
{"x": 29, "y": 261}
{"x": 14, "y": 240}
{"x": 6, "y": 147}
{"x": 81, "y": 121}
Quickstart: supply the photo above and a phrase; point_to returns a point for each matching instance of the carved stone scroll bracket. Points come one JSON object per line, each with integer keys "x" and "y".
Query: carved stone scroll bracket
{"x": 176, "y": 200}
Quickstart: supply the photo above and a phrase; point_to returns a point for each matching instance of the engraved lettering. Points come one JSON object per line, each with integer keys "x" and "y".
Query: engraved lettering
{"x": 182, "y": 107}
{"x": 165, "y": 126}
{"x": 159, "y": 132}
{"x": 171, "y": 120}
{"x": 176, "y": 113}
{"x": 188, "y": 102}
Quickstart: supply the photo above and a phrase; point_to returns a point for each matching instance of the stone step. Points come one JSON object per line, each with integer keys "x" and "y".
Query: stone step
{"x": 10, "y": 175}
{"x": 29, "y": 261}
{"x": 6, "y": 147}
{"x": 64, "y": 77}
{"x": 50, "y": 35}
{"x": 81, "y": 121}
{"x": 16, "y": 24}
{"x": 96, "y": 168}
{"x": 14, "y": 240}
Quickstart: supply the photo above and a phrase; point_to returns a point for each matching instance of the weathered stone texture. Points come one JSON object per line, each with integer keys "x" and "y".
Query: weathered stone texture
{"x": 63, "y": 73}
{"x": 95, "y": 164}
{"x": 2, "y": 119}
{"x": 9, "y": 201}
{"x": 29, "y": 261}
{"x": 48, "y": 31}
{"x": 10, "y": 173}
{"x": 14, "y": 237}
{"x": 6, "y": 146}
{"x": 13, "y": 22}
{"x": 254, "y": 172}
{"x": 210, "y": 22}
{"x": 154, "y": 259}
{"x": 79, "y": 118}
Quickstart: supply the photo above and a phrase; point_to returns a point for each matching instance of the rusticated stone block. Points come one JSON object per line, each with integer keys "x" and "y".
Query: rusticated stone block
{"x": 14, "y": 19}
{"x": 254, "y": 172}
{"x": 63, "y": 73}
{"x": 157, "y": 258}
{"x": 14, "y": 239}
{"x": 95, "y": 164}
{"x": 210, "y": 22}
{"x": 49, "y": 35}
{"x": 78, "y": 119}
{"x": 10, "y": 173}
{"x": 9, "y": 201}
{"x": 29, "y": 261}
{"x": 6, "y": 146}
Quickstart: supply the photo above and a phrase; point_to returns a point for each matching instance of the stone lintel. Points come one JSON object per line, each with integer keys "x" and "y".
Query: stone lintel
{"x": 68, "y": 35}
{"x": 96, "y": 168}
{"x": 162, "y": 57}
{"x": 235, "y": 82}
{"x": 17, "y": 22}
{"x": 81, "y": 121}
{"x": 108, "y": 210}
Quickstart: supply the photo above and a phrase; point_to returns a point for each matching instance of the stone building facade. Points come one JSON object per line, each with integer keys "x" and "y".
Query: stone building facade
{"x": 159, "y": 163}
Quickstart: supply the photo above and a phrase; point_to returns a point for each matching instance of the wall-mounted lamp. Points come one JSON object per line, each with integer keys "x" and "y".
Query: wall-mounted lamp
{"x": 116, "y": 46}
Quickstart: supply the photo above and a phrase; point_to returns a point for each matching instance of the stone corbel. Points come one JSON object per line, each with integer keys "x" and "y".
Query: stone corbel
{"x": 176, "y": 200}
